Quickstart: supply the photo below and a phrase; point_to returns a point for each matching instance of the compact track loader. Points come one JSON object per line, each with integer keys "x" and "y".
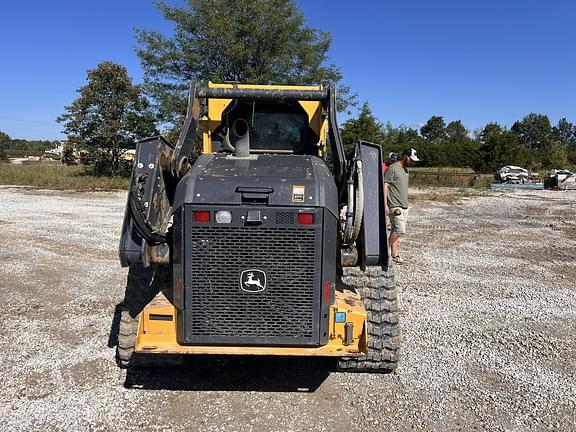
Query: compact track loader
{"x": 271, "y": 242}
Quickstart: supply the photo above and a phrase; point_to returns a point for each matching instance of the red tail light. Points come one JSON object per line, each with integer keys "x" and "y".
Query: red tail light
{"x": 201, "y": 216}
{"x": 305, "y": 218}
{"x": 327, "y": 289}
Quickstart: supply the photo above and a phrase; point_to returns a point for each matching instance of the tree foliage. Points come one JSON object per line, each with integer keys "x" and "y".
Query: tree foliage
{"x": 532, "y": 142}
{"x": 17, "y": 147}
{"x": 108, "y": 117}
{"x": 366, "y": 127}
{"x": 534, "y": 131}
{"x": 4, "y": 141}
{"x": 501, "y": 147}
{"x": 434, "y": 129}
{"x": 258, "y": 41}
{"x": 565, "y": 132}
{"x": 68, "y": 155}
{"x": 553, "y": 146}
{"x": 456, "y": 132}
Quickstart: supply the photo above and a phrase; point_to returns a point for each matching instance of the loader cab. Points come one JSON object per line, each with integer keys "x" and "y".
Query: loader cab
{"x": 272, "y": 127}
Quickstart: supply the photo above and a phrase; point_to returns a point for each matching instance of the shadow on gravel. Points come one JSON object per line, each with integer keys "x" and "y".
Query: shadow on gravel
{"x": 206, "y": 373}
{"x": 115, "y": 327}
{"x": 230, "y": 373}
{"x": 142, "y": 285}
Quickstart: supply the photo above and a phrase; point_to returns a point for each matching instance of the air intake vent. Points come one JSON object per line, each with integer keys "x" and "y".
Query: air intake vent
{"x": 284, "y": 218}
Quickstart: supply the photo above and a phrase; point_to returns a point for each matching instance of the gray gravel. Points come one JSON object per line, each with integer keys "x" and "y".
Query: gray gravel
{"x": 488, "y": 300}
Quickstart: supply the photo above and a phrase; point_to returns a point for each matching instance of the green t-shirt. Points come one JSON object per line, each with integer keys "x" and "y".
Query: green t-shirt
{"x": 397, "y": 179}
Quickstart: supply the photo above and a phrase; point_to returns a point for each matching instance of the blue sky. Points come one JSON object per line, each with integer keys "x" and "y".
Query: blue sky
{"x": 473, "y": 61}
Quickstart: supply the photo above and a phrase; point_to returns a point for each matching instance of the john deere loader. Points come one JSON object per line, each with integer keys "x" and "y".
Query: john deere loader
{"x": 271, "y": 241}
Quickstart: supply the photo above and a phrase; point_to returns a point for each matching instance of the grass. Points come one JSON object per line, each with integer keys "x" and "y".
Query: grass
{"x": 447, "y": 184}
{"x": 54, "y": 175}
{"x": 449, "y": 177}
{"x": 441, "y": 170}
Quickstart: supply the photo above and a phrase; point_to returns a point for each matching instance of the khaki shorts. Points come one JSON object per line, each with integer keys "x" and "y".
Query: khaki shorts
{"x": 398, "y": 219}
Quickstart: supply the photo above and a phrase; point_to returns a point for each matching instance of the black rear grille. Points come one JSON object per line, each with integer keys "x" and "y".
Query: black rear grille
{"x": 286, "y": 312}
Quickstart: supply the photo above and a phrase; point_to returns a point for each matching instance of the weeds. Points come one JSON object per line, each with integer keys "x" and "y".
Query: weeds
{"x": 54, "y": 175}
{"x": 449, "y": 177}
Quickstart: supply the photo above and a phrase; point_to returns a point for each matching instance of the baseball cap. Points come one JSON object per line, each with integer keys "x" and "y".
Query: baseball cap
{"x": 411, "y": 153}
{"x": 392, "y": 156}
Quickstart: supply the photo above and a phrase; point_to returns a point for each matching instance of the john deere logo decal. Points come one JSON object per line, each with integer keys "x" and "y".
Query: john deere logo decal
{"x": 253, "y": 281}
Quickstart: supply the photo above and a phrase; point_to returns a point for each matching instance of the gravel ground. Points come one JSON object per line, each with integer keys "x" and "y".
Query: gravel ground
{"x": 488, "y": 301}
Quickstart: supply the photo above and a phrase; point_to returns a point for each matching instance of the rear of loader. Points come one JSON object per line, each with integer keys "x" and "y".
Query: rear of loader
{"x": 271, "y": 242}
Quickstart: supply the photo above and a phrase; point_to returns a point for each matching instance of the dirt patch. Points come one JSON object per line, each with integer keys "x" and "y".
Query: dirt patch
{"x": 444, "y": 195}
{"x": 37, "y": 385}
{"x": 88, "y": 373}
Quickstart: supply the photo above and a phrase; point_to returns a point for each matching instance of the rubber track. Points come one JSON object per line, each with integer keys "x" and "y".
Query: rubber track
{"x": 378, "y": 291}
{"x": 141, "y": 287}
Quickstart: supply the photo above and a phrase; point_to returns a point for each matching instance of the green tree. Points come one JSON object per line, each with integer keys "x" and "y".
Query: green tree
{"x": 460, "y": 149}
{"x": 68, "y": 154}
{"x": 366, "y": 127}
{"x": 490, "y": 131}
{"x": 499, "y": 147}
{"x": 258, "y": 41}
{"x": 456, "y": 132}
{"x": 108, "y": 117}
{"x": 397, "y": 139}
{"x": 22, "y": 148}
{"x": 534, "y": 131}
{"x": 4, "y": 143}
{"x": 408, "y": 137}
{"x": 571, "y": 156}
{"x": 557, "y": 156}
{"x": 565, "y": 132}
{"x": 434, "y": 129}
{"x": 464, "y": 154}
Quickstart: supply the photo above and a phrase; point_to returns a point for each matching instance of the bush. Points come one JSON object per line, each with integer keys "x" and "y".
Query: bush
{"x": 68, "y": 155}
{"x": 100, "y": 164}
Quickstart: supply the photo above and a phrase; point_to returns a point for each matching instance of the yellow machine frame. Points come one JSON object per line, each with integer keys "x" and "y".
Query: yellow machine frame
{"x": 157, "y": 333}
{"x": 157, "y": 322}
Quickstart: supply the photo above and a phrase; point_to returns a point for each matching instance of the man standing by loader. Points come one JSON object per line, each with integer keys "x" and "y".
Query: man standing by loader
{"x": 396, "y": 199}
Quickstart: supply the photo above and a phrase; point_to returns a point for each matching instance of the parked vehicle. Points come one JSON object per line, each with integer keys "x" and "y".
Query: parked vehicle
{"x": 559, "y": 180}
{"x": 511, "y": 174}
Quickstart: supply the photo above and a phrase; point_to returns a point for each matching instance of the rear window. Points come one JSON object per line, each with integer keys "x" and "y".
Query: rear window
{"x": 281, "y": 127}
{"x": 278, "y": 131}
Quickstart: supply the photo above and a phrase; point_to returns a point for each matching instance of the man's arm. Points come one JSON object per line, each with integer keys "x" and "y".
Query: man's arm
{"x": 386, "y": 210}
{"x": 389, "y": 177}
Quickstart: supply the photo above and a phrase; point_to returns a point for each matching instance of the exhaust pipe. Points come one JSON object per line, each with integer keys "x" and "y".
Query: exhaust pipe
{"x": 241, "y": 138}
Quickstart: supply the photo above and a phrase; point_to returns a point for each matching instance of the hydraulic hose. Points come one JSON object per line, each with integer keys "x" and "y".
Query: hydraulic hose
{"x": 355, "y": 206}
{"x": 359, "y": 207}
{"x": 146, "y": 231}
